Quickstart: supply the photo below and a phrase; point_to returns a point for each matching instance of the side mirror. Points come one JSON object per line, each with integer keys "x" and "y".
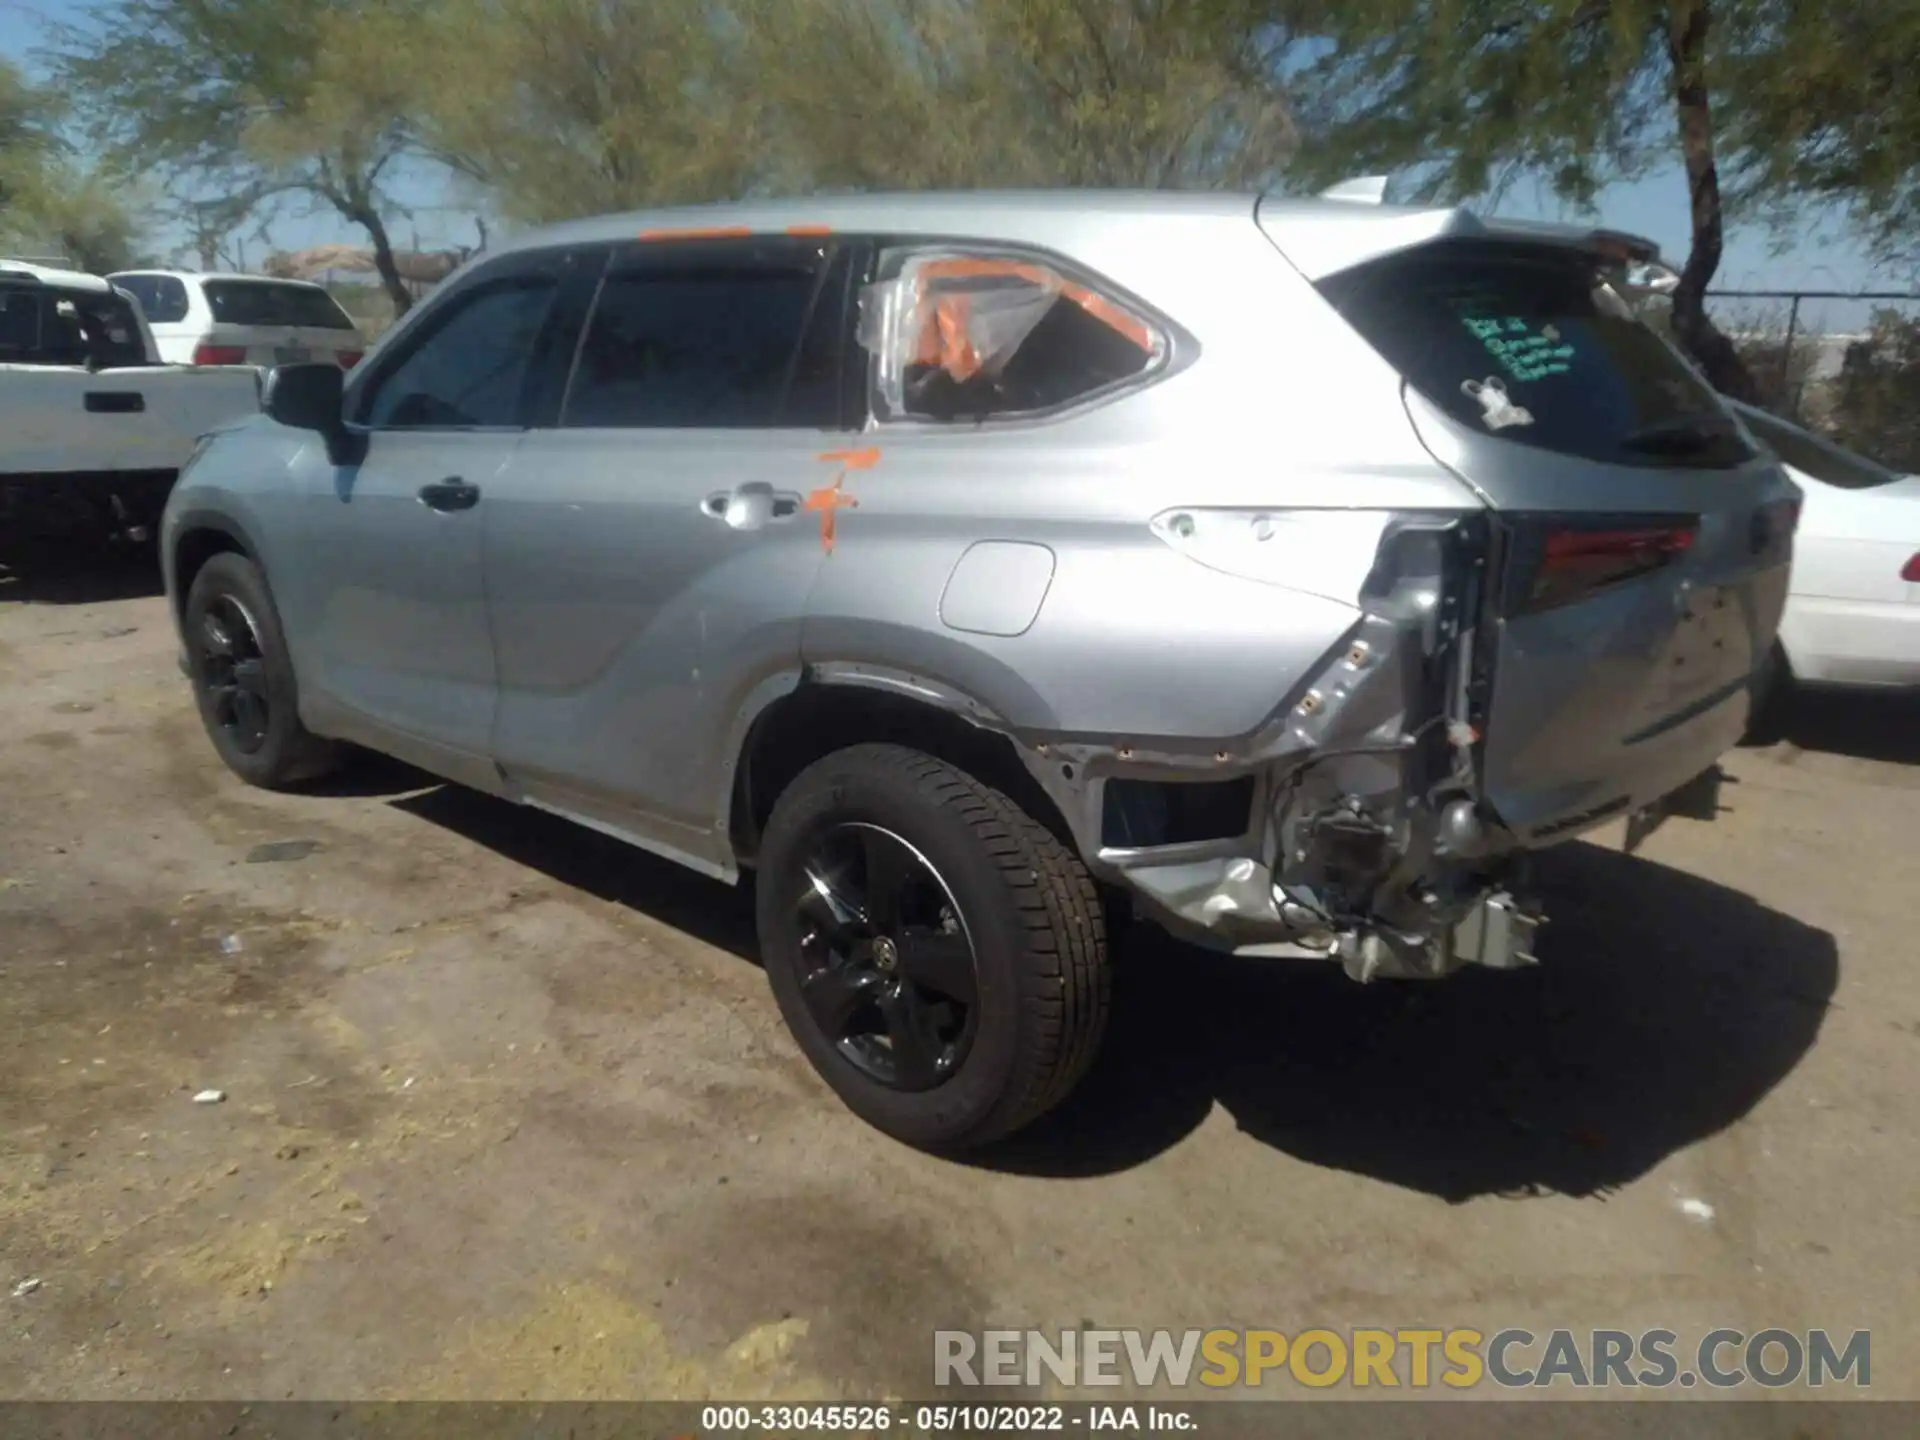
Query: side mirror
{"x": 312, "y": 397}
{"x": 307, "y": 397}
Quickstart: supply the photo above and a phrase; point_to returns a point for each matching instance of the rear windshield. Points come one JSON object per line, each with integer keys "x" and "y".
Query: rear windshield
{"x": 258, "y": 302}
{"x": 1810, "y": 455}
{"x": 1527, "y": 343}
{"x": 41, "y": 325}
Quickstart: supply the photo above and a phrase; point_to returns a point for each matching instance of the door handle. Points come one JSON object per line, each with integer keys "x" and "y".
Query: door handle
{"x": 452, "y": 493}
{"x": 750, "y": 505}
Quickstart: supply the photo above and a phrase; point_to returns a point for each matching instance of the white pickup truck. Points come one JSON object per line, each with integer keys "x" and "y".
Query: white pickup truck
{"x": 93, "y": 427}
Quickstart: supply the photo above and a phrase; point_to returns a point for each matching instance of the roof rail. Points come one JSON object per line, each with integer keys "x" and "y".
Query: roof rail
{"x": 1362, "y": 189}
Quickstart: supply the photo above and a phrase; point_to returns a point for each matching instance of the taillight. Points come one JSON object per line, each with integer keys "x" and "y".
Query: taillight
{"x": 348, "y": 358}
{"x": 1576, "y": 560}
{"x": 219, "y": 354}
{"x": 1910, "y": 571}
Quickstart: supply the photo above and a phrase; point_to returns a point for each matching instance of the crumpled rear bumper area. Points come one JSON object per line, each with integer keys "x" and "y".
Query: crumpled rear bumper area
{"x": 1353, "y": 826}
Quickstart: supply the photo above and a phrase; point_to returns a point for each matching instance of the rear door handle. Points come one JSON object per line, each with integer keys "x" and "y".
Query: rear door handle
{"x": 750, "y": 505}
{"x": 453, "y": 493}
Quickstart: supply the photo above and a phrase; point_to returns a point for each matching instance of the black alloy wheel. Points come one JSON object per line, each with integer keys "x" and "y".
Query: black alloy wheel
{"x": 887, "y": 969}
{"x": 939, "y": 955}
{"x": 234, "y": 673}
{"x": 243, "y": 681}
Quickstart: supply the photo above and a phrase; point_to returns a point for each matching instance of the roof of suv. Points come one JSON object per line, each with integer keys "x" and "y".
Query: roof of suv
{"x": 1329, "y": 230}
{"x": 225, "y": 275}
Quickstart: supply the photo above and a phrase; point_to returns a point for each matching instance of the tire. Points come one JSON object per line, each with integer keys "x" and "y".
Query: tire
{"x": 229, "y": 597}
{"x": 1769, "y": 697}
{"x": 1007, "y": 890}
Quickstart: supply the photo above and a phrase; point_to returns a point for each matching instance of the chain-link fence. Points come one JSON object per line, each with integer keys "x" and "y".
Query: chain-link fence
{"x": 1846, "y": 364}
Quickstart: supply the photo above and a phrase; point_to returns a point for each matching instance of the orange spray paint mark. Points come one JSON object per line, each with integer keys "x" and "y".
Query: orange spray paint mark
{"x": 711, "y": 232}
{"x": 829, "y": 500}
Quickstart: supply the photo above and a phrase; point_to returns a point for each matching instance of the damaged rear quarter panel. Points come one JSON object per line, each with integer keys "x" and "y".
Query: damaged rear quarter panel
{"x": 1134, "y": 641}
{"x": 1282, "y": 407}
{"x": 1163, "y": 651}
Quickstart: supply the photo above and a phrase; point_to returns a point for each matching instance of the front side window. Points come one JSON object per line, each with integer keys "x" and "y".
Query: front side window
{"x": 470, "y": 366}
{"x": 969, "y": 337}
{"x": 726, "y": 336}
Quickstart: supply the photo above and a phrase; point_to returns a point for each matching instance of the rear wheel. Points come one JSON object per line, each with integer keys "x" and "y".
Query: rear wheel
{"x": 243, "y": 679}
{"x": 1769, "y": 696}
{"x": 939, "y": 955}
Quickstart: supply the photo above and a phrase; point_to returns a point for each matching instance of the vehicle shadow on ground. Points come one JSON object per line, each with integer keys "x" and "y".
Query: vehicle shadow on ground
{"x": 719, "y": 915}
{"x": 1867, "y": 725}
{"x": 79, "y": 575}
{"x": 1665, "y": 1007}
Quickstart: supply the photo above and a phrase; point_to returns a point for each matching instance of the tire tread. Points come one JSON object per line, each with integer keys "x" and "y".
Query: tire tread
{"x": 1065, "y": 961}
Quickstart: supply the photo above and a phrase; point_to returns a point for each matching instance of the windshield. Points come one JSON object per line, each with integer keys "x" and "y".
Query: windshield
{"x": 1812, "y": 456}
{"x": 262, "y": 302}
{"x": 1528, "y": 343}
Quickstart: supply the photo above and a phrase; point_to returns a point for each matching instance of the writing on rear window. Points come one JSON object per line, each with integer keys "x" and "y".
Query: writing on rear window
{"x": 1531, "y": 343}
{"x": 1523, "y": 352}
{"x": 1522, "y": 355}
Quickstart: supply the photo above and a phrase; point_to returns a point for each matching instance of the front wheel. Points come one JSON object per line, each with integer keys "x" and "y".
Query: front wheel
{"x": 243, "y": 678}
{"x": 940, "y": 956}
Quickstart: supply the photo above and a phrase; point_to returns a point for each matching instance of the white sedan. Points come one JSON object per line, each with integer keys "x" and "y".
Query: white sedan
{"x": 1853, "y": 605}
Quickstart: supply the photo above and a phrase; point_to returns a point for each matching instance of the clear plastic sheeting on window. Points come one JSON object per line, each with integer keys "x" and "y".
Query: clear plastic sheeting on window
{"x": 960, "y": 335}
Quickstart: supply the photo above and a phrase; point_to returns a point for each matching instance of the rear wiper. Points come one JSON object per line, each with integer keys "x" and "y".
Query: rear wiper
{"x": 1683, "y": 434}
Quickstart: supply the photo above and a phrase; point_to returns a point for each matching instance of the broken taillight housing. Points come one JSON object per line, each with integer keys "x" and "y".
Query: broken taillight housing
{"x": 1574, "y": 559}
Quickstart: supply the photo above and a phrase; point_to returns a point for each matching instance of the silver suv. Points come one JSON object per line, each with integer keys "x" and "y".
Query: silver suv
{"x": 975, "y": 568}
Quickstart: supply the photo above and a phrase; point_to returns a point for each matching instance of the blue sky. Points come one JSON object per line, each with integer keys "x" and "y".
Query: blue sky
{"x": 1824, "y": 256}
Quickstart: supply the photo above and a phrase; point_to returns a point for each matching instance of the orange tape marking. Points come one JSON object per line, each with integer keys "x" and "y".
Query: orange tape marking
{"x": 829, "y": 500}
{"x": 1098, "y": 306}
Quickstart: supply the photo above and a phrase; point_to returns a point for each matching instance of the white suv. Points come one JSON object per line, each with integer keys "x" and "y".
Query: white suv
{"x": 242, "y": 319}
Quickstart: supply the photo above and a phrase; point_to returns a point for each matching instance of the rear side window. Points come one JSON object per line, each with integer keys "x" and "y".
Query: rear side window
{"x": 723, "y": 335}
{"x": 163, "y": 298}
{"x": 959, "y": 336}
{"x": 1529, "y": 344}
{"x": 262, "y": 302}
{"x": 1810, "y": 455}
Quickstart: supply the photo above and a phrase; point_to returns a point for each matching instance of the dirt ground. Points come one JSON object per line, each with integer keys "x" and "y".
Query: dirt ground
{"x": 509, "y": 1112}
